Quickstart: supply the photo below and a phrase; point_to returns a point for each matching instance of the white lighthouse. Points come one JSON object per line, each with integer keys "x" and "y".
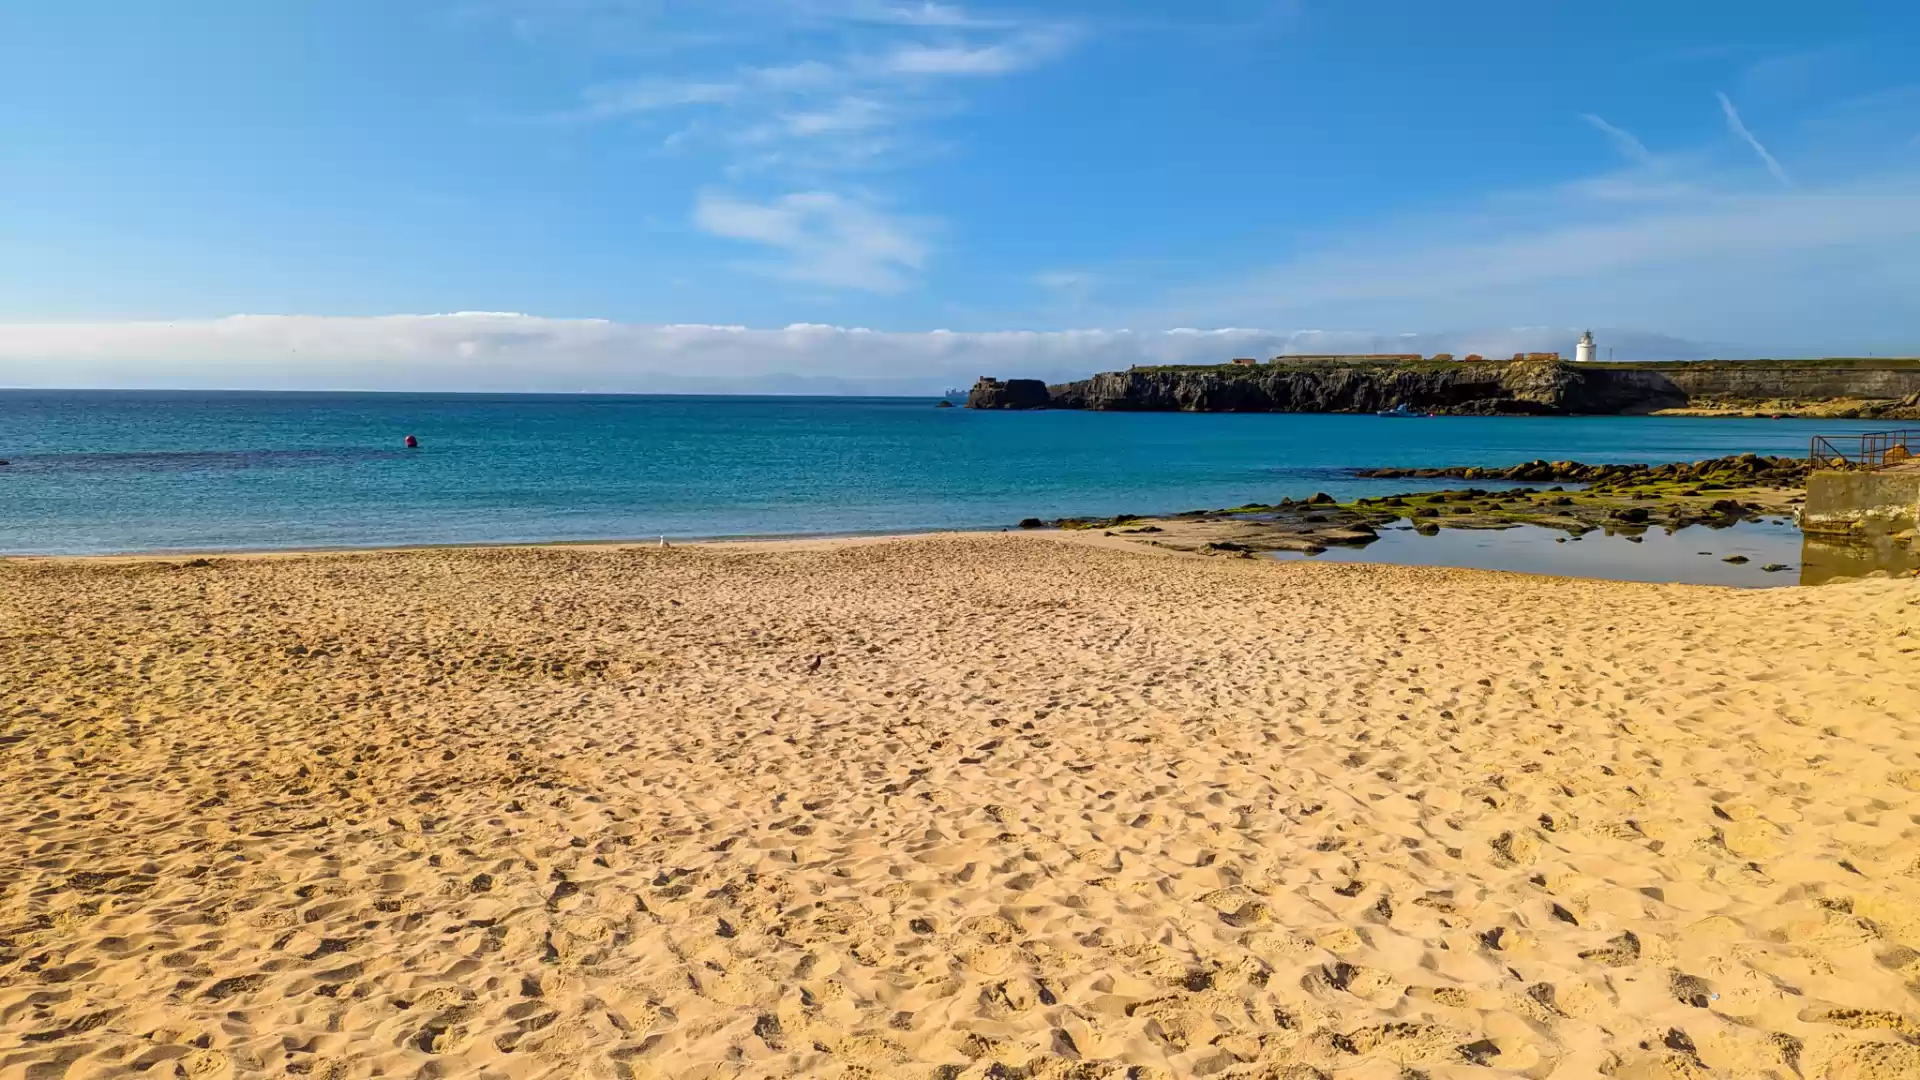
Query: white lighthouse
{"x": 1583, "y": 352}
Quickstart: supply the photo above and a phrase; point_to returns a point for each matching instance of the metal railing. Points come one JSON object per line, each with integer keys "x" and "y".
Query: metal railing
{"x": 1869, "y": 450}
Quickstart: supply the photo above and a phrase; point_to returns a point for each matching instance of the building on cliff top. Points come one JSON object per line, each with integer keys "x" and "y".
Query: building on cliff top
{"x": 1583, "y": 352}
{"x": 1367, "y": 358}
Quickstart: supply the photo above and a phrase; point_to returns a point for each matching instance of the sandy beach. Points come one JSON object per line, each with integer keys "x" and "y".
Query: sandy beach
{"x": 1007, "y": 806}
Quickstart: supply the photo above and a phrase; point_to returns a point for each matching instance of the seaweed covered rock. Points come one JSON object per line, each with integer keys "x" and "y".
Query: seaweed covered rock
{"x": 1742, "y": 470}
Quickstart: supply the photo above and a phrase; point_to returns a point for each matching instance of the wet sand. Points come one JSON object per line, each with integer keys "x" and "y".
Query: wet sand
{"x": 1006, "y": 805}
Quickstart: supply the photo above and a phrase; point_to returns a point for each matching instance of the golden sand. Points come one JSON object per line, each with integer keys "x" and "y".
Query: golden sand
{"x": 978, "y": 806}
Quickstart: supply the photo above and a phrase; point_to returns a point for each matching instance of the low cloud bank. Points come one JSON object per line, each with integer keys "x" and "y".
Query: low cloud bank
{"x": 505, "y": 352}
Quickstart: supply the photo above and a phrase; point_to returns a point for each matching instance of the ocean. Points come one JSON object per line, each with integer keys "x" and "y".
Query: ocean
{"x": 102, "y": 472}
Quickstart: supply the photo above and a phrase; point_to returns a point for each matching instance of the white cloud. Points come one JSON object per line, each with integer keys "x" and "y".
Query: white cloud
{"x": 947, "y": 16}
{"x": 1739, "y": 128}
{"x": 823, "y": 238}
{"x": 652, "y": 95}
{"x": 1623, "y": 140}
{"x": 998, "y": 58}
{"x": 1065, "y": 280}
{"x": 849, "y": 114}
{"x": 822, "y": 104}
{"x": 953, "y": 60}
{"x": 884, "y": 66}
{"x": 498, "y": 351}
{"x": 801, "y": 75}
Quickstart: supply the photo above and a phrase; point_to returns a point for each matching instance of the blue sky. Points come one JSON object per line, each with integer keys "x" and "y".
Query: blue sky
{"x": 1740, "y": 177}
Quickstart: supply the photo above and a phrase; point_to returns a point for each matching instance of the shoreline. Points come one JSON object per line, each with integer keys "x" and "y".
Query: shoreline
{"x": 1748, "y": 469}
{"x": 1629, "y": 501}
{"x": 801, "y": 545}
{"x": 780, "y": 544}
{"x": 796, "y": 540}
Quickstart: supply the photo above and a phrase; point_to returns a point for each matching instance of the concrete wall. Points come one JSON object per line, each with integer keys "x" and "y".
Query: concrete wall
{"x": 1843, "y": 503}
{"x": 1811, "y": 383}
{"x": 1675, "y": 385}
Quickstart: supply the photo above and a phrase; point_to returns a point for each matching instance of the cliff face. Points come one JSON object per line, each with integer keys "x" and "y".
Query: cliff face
{"x": 1540, "y": 387}
{"x": 1535, "y": 386}
{"x": 990, "y": 393}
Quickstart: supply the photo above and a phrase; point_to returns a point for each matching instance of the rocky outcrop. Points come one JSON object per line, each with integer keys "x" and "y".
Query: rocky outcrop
{"x": 991, "y": 393}
{"x": 1519, "y": 387}
{"x": 1743, "y": 470}
{"x": 1627, "y": 500}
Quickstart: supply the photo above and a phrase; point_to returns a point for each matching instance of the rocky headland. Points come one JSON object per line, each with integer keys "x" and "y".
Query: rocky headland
{"x": 1838, "y": 388}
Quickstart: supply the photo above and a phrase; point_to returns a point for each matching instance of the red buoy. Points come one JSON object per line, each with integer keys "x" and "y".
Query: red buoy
{"x": 413, "y": 443}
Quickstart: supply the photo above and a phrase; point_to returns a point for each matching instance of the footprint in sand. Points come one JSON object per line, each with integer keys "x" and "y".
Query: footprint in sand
{"x": 1006, "y": 1000}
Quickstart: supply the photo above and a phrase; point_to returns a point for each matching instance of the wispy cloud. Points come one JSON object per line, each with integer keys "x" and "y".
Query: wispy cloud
{"x": 999, "y": 58}
{"x": 926, "y": 14}
{"x": 821, "y": 238}
{"x": 1739, "y": 128}
{"x": 848, "y": 114}
{"x": 1786, "y": 75}
{"x": 800, "y": 76}
{"x": 838, "y": 87}
{"x": 1066, "y": 280}
{"x": 1623, "y": 140}
{"x": 1717, "y": 257}
{"x": 1069, "y": 290}
{"x": 912, "y": 57}
{"x": 649, "y": 95}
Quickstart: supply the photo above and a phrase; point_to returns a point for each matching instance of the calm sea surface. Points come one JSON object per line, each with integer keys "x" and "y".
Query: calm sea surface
{"x": 148, "y": 471}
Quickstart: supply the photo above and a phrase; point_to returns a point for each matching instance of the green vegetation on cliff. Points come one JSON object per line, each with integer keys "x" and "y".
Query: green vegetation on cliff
{"x": 1859, "y": 386}
{"x": 1361, "y": 363}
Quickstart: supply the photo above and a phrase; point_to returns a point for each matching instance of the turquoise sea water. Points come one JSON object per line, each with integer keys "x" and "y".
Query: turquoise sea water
{"x": 149, "y": 471}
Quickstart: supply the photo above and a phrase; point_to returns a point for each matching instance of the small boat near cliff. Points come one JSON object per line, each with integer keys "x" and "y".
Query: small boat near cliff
{"x": 1402, "y": 410}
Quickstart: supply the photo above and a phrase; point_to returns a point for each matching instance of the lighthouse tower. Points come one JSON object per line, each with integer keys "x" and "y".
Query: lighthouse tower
{"x": 1583, "y": 353}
